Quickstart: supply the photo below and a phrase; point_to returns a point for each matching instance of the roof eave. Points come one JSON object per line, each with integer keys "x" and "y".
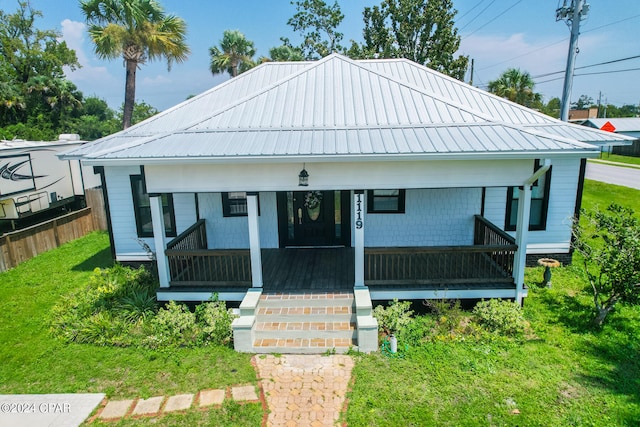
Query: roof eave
{"x": 309, "y": 158}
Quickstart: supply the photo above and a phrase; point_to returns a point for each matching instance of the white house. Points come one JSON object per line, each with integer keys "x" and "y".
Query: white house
{"x": 381, "y": 176}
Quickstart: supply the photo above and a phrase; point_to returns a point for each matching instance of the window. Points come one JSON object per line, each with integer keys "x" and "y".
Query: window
{"x": 539, "y": 203}
{"x": 235, "y": 204}
{"x": 385, "y": 201}
{"x": 142, "y": 209}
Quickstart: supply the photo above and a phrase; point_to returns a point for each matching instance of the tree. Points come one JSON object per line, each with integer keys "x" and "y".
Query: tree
{"x": 516, "y": 86}
{"x": 141, "y": 111}
{"x": 582, "y": 103}
{"x": 420, "y": 30}
{"x": 284, "y": 53}
{"x": 317, "y": 24}
{"x": 138, "y": 31}
{"x": 235, "y": 54}
{"x": 32, "y": 81}
{"x": 609, "y": 242}
{"x": 552, "y": 108}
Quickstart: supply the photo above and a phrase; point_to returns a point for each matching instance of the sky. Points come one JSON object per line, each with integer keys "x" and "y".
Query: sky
{"x": 497, "y": 34}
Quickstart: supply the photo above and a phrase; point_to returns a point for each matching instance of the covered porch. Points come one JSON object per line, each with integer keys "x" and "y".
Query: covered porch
{"x": 481, "y": 270}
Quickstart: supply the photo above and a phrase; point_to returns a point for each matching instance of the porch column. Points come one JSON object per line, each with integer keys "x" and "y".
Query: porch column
{"x": 254, "y": 240}
{"x": 358, "y": 206}
{"x": 157, "y": 220}
{"x": 522, "y": 231}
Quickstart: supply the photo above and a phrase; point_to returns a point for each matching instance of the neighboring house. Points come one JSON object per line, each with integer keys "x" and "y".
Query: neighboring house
{"x": 587, "y": 113}
{"x": 629, "y": 126}
{"x": 381, "y": 176}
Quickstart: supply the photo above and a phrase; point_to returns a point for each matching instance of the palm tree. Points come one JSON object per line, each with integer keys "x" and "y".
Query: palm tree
{"x": 137, "y": 30}
{"x": 235, "y": 54}
{"x": 516, "y": 86}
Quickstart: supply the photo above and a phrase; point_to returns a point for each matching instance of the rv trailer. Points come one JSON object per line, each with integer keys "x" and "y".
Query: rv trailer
{"x": 34, "y": 180}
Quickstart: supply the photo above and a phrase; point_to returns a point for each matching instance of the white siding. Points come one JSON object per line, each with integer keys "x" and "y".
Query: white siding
{"x": 233, "y": 232}
{"x": 433, "y": 217}
{"x": 123, "y": 219}
{"x": 562, "y": 197}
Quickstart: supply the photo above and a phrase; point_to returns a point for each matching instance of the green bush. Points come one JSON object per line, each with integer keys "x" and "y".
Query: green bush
{"x": 173, "y": 325}
{"x": 393, "y": 318}
{"x": 500, "y": 317}
{"x": 215, "y": 320}
{"x": 108, "y": 309}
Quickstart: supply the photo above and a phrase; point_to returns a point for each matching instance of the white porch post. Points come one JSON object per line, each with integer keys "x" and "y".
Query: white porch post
{"x": 157, "y": 220}
{"x": 359, "y": 209}
{"x": 254, "y": 240}
{"x": 522, "y": 231}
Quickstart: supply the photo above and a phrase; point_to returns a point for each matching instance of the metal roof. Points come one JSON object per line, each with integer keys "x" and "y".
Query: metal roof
{"x": 341, "y": 107}
{"x": 622, "y": 124}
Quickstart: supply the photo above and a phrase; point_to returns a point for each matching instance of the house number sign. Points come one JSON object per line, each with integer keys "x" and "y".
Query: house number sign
{"x": 359, "y": 220}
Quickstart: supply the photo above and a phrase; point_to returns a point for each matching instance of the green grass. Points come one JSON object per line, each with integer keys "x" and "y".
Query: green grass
{"x": 621, "y": 159}
{"x": 34, "y": 362}
{"x": 566, "y": 373}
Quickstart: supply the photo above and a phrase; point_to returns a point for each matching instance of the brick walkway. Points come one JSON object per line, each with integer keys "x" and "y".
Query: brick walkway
{"x": 304, "y": 390}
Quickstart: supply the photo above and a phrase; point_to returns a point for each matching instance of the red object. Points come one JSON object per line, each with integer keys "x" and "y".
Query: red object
{"x": 608, "y": 127}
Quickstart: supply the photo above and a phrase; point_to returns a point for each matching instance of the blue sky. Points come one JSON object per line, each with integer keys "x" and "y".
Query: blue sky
{"x": 498, "y": 34}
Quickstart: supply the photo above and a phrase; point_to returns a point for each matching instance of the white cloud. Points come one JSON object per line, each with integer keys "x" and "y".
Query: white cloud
{"x": 158, "y": 80}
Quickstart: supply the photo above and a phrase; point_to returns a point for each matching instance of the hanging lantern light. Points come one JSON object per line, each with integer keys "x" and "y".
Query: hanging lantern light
{"x": 303, "y": 177}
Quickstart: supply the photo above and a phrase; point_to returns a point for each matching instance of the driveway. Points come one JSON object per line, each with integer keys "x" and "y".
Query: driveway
{"x": 625, "y": 176}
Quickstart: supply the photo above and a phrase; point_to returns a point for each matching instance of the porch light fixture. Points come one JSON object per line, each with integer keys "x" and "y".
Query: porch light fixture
{"x": 303, "y": 177}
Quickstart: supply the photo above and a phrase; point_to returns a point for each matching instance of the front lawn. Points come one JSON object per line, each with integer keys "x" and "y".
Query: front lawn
{"x": 35, "y": 362}
{"x": 566, "y": 373}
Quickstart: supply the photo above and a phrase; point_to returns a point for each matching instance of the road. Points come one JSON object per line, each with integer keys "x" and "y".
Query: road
{"x": 627, "y": 177}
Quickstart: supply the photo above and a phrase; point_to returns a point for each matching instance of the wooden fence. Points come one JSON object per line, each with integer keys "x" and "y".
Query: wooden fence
{"x": 19, "y": 246}
{"x": 95, "y": 201}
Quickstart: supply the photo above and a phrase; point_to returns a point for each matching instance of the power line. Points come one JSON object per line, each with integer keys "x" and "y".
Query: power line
{"x": 589, "y": 66}
{"x": 496, "y": 17}
{"x": 470, "y": 10}
{"x": 476, "y": 17}
{"x": 590, "y": 74}
{"x": 559, "y": 41}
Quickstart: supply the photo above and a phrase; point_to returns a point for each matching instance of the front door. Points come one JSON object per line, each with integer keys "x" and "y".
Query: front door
{"x": 313, "y": 218}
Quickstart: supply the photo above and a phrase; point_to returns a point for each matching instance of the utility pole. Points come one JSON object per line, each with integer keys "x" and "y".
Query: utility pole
{"x": 571, "y": 14}
{"x": 471, "y": 79}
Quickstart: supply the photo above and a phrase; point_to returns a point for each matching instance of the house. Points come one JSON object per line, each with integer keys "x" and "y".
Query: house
{"x": 629, "y": 126}
{"x": 356, "y": 180}
{"x": 584, "y": 114}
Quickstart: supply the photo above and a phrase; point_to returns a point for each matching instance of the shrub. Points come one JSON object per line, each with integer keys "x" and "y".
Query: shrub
{"x": 215, "y": 321}
{"x": 500, "y": 317}
{"x": 107, "y": 309}
{"x": 173, "y": 325}
{"x": 393, "y": 318}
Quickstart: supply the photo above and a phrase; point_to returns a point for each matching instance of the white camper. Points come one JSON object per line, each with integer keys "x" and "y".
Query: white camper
{"x": 33, "y": 179}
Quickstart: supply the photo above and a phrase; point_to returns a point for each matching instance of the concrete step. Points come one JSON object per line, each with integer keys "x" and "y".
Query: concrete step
{"x": 303, "y": 345}
{"x": 306, "y": 300}
{"x": 305, "y": 314}
{"x": 287, "y": 330}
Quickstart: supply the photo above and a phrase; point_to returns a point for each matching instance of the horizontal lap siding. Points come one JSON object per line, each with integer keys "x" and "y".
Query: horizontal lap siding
{"x": 562, "y": 198}
{"x": 123, "y": 219}
{"x": 233, "y": 232}
{"x": 433, "y": 217}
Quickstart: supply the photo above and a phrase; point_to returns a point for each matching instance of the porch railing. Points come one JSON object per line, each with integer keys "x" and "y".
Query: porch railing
{"x": 192, "y": 264}
{"x": 194, "y": 237}
{"x": 488, "y": 261}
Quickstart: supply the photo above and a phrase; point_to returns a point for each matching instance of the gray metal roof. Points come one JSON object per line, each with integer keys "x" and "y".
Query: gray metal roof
{"x": 340, "y": 107}
{"x": 622, "y": 124}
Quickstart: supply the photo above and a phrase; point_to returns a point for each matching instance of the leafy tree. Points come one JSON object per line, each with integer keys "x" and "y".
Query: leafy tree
{"x": 234, "y": 56}
{"x": 141, "y": 111}
{"x": 317, "y": 24}
{"x": 420, "y": 30}
{"x": 582, "y": 103}
{"x": 609, "y": 242}
{"x": 516, "y": 86}
{"x": 552, "y": 108}
{"x": 33, "y": 88}
{"x": 137, "y": 31}
{"x": 284, "y": 53}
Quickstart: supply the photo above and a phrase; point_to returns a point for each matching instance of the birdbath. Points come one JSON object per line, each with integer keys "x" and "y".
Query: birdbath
{"x": 548, "y": 264}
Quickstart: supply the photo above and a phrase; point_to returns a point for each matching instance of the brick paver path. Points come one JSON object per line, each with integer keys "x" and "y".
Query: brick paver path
{"x": 304, "y": 390}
